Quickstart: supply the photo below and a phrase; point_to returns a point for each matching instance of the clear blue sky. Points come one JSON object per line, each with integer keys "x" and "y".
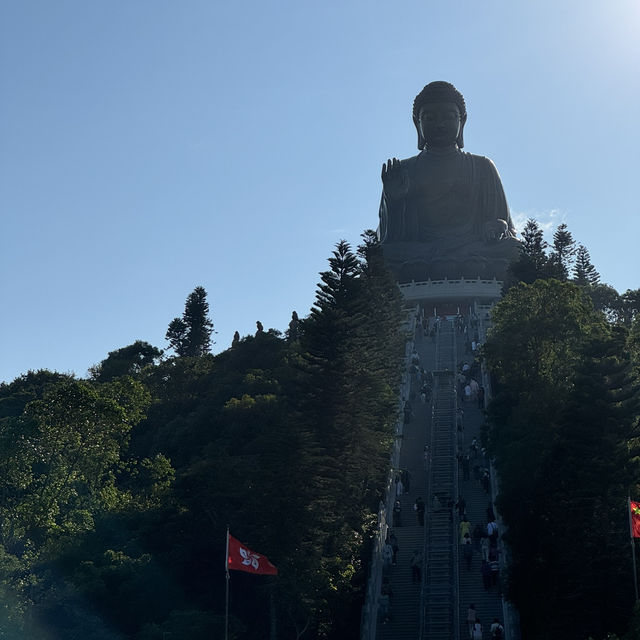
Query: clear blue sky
{"x": 150, "y": 146}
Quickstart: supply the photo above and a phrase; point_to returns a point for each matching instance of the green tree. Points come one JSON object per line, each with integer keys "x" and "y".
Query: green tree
{"x": 76, "y": 434}
{"x": 532, "y": 263}
{"x": 191, "y": 334}
{"x": 334, "y": 353}
{"x": 630, "y": 306}
{"x": 584, "y": 273}
{"x": 563, "y": 433}
{"x": 15, "y": 396}
{"x": 60, "y": 460}
{"x": 605, "y": 299}
{"x": 537, "y": 331}
{"x": 127, "y": 361}
{"x": 347, "y": 398}
{"x": 564, "y": 249}
{"x": 577, "y": 574}
{"x": 633, "y": 346}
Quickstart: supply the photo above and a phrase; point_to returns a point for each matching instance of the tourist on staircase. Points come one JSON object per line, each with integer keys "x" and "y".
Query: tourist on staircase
{"x": 395, "y": 546}
{"x": 467, "y": 550}
{"x": 472, "y": 615}
{"x": 497, "y": 630}
{"x": 419, "y": 507}
{"x": 416, "y": 566}
{"x": 465, "y": 529}
{"x": 397, "y": 514}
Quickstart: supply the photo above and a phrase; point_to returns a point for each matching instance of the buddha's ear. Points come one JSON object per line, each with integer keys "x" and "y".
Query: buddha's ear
{"x": 421, "y": 141}
{"x": 460, "y": 140}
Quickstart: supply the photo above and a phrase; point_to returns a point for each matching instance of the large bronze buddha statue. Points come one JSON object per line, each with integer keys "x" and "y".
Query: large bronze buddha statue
{"x": 443, "y": 212}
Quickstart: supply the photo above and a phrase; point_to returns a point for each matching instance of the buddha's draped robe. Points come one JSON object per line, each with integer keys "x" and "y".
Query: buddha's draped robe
{"x": 451, "y": 196}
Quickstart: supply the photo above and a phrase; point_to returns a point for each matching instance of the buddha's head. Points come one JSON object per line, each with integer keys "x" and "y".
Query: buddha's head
{"x": 439, "y": 115}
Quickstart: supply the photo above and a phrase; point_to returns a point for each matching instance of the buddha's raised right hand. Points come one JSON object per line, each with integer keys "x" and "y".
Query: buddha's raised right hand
{"x": 395, "y": 179}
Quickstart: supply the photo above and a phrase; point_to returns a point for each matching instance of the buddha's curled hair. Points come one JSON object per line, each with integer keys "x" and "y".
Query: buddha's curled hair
{"x": 439, "y": 91}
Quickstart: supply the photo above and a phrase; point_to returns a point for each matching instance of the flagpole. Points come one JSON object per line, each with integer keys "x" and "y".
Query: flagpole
{"x": 226, "y": 602}
{"x": 633, "y": 547}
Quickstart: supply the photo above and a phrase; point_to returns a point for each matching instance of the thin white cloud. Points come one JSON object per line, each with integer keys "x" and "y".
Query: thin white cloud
{"x": 548, "y": 221}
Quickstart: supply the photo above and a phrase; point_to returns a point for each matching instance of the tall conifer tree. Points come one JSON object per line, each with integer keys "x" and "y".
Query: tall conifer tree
{"x": 584, "y": 273}
{"x": 191, "y": 334}
{"x": 561, "y": 257}
{"x": 532, "y": 263}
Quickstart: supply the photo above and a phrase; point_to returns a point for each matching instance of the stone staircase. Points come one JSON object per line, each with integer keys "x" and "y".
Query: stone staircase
{"x": 488, "y": 604}
{"x": 437, "y": 609}
{"x": 440, "y": 592}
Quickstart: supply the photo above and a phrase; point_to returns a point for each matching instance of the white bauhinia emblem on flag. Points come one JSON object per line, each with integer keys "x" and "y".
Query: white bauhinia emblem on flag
{"x": 250, "y": 559}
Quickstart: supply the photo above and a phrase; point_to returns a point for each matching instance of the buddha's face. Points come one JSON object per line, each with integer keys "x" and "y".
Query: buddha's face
{"x": 440, "y": 124}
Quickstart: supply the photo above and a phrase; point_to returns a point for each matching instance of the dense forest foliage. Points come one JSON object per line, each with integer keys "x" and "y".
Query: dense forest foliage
{"x": 116, "y": 490}
{"x": 565, "y": 437}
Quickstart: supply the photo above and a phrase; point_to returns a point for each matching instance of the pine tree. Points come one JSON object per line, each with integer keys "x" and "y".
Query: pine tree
{"x": 384, "y": 304}
{"x": 534, "y": 245}
{"x": 191, "y": 334}
{"x": 532, "y": 263}
{"x": 339, "y": 282}
{"x": 584, "y": 273}
{"x": 332, "y": 340}
{"x": 564, "y": 249}
{"x": 346, "y": 398}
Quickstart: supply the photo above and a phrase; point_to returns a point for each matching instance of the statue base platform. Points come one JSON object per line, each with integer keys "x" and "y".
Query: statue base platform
{"x": 461, "y": 294}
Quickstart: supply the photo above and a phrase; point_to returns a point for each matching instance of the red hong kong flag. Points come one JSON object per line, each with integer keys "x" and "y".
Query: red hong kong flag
{"x": 241, "y": 558}
{"x": 635, "y": 519}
